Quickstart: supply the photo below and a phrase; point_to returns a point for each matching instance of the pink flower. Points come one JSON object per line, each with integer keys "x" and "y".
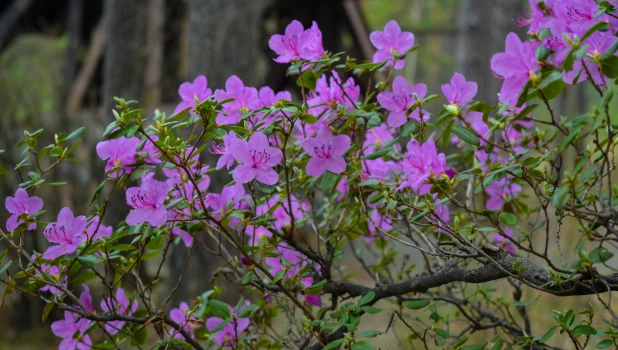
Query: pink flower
{"x": 327, "y": 97}
{"x": 390, "y": 43}
{"x": 297, "y": 43}
{"x": 280, "y": 214}
{"x": 119, "y": 153}
{"x": 376, "y": 225}
{"x": 380, "y": 169}
{"x": 504, "y": 242}
{"x": 227, "y": 335}
{"x": 326, "y": 152}
{"x": 68, "y": 328}
{"x": 377, "y": 137}
{"x": 231, "y": 197}
{"x": 55, "y": 273}
{"x": 314, "y": 300}
{"x": 86, "y": 298}
{"x": 257, "y": 158}
{"x": 296, "y": 259}
{"x": 189, "y": 92}
{"x": 103, "y": 231}
{"x": 419, "y": 163}
{"x": 117, "y": 306}
{"x": 459, "y": 91}
{"x": 67, "y": 233}
{"x": 579, "y": 15}
{"x": 147, "y": 202}
{"x": 398, "y": 101}
{"x": 515, "y": 65}
{"x": 267, "y": 99}
{"x": 257, "y": 234}
{"x": 245, "y": 100}
{"x": 226, "y": 159}
{"x": 500, "y": 190}
{"x": 22, "y": 204}
{"x": 184, "y": 235}
{"x": 182, "y": 316}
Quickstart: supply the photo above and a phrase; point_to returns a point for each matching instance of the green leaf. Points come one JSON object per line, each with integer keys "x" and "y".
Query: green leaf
{"x": 139, "y": 337}
{"x": 333, "y": 345}
{"x": 371, "y": 310}
{"x": 610, "y": 67}
{"x": 308, "y": 119}
{"x": 599, "y": 26}
{"x": 75, "y": 134}
{"x": 584, "y": 329}
{"x": 508, "y": 218}
{"x": 328, "y": 180}
{"x": 378, "y": 154}
{"x": 220, "y": 326}
{"x": 83, "y": 277}
{"x": 247, "y": 310}
{"x": 48, "y": 308}
{"x": 542, "y": 53}
{"x": 417, "y": 304}
{"x": 6, "y": 266}
{"x": 362, "y": 345}
{"x": 466, "y": 135}
{"x": 89, "y": 261}
{"x": 441, "y": 332}
{"x": 474, "y": 346}
{"x": 307, "y": 79}
{"x": 605, "y": 344}
{"x": 368, "y": 334}
{"x": 367, "y": 298}
{"x": 219, "y": 309}
{"x": 548, "y": 334}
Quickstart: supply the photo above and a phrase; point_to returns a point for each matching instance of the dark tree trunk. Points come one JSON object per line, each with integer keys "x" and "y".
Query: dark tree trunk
{"x": 223, "y": 40}
{"x": 483, "y": 27}
{"x": 172, "y": 75}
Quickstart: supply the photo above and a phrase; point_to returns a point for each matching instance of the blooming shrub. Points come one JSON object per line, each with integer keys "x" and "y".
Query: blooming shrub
{"x": 437, "y": 210}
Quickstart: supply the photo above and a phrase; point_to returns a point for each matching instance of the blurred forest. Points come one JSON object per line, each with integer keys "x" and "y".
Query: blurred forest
{"x": 63, "y": 61}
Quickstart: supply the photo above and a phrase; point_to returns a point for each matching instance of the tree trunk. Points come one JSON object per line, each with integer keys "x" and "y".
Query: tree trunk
{"x": 483, "y": 27}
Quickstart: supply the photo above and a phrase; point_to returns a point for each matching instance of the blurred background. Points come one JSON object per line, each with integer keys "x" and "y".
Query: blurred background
{"x": 62, "y": 61}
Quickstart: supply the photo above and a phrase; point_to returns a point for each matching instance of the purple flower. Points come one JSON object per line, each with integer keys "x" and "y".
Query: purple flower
{"x": 504, "y": 242}
{"x": 419, "y": 163}
{"x": 579, "y": 15}
{"x": 377, "y": 137}
{"x": 189, "y": 92}
{"x": 314, "y": 300}
{"x": 599, "y": 42}
{"x": 55, "y": 273}
{"x": 501, "y": 190}
{"x": 182, "y": 316}
{"x": 459, "y": 91}
{"x": 68, "y": 328}
{"x": 297, "y": 43}
{"x": 296, "y": 259}
{"x": 327, "y": 97}
{"x": 257, "y": 158}
{"x": 267, "y": 99}
{"x": 400, "y": 99}
{"x": 245, "y": 100}
{"x": 280, "y": 214}
{"x": 119, "y": 153}
{"x": 117, "y": 306}
{"x": 257, "y": 234}
{"x": 377, "y": 225}
{"x": 537, "y": 19}
{"x": 147, "y": 202}
{"x": 380, "y": 169}
{"x": 390, "y": 43}
{"x": 184, "y": 235}
{"x": 22, "y": 204}
{"x": 67, "y": 233}
{"x": 102, "y": 231}
{"x": 226, "y": 159}
{"x": 326, "y": 152}
{"x": 227, "y": 335}
{"x": 86, "y": 298}
{"x": 515, "y": 65}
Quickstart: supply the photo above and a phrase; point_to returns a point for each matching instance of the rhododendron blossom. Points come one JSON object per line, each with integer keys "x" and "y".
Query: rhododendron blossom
{"x": 72, "y": 330}
{"x": 422, "y": 161}
{"x": 119, "y": 153}
{"x": 147, "y": 202}
{"x": 297, "y": 43}
{"x": 329, "y": 94}
{"x": 190, "y": 92}
{"x": 257, "y": 158}
{"x": 227, "y": 159}
{"x": 400, "y": 99}
{"x": 391, "y": 43}
{"x": 245, "y": 100}
{"x": 182, "y": 316}
{"x": 67, "y": 233}
{"x": 459, "y": 92}
{"x": 326, "y": 152}
{"x": 22, "y": 204}
{"x": 228, "y": 335}
{"x": 118, "y": 305}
